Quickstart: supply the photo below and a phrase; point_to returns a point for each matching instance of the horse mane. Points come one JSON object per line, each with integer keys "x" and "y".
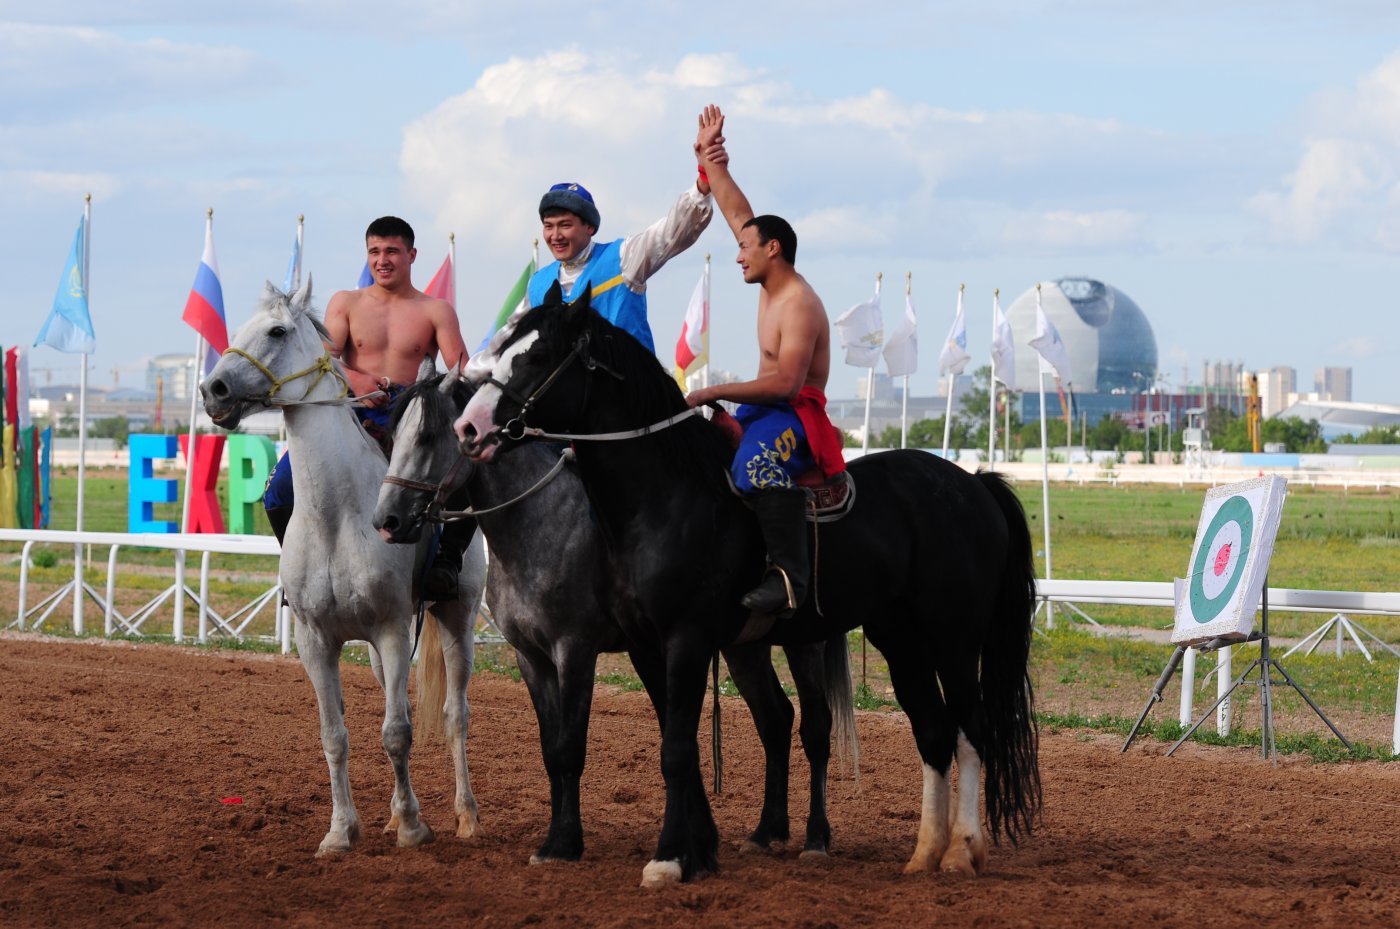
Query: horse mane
{"x": 694, "y": 446}
{"x": 438, "y": 409}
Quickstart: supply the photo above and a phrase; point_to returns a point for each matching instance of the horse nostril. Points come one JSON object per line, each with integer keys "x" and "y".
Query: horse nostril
{"x": 218, "y": 388}
{"x": 390, "y": 523}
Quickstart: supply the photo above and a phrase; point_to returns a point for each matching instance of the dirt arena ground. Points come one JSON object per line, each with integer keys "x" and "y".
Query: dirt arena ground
{"x": 117, "y": 760}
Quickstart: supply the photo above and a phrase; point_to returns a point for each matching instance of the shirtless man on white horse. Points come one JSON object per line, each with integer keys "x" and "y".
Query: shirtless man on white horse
{"x": 381, "y": 334}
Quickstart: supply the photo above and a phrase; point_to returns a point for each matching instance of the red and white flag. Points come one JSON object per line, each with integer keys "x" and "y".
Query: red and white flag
{"x": 693, "y": 346}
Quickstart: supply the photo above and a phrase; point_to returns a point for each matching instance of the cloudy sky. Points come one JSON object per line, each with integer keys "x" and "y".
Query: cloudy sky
{"x": 1233, "y": 166}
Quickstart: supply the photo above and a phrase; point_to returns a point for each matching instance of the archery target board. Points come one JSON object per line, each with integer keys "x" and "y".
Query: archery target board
{"x": 1229, "y": 562}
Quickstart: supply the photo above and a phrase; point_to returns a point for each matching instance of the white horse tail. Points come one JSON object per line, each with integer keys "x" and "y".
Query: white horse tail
{"x": 841, "y": 703}
{"x": 432, "y": 683}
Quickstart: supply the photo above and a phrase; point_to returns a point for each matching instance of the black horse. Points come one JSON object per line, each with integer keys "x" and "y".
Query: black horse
{"x": 551, "y": 598}
{"x": 934, "y": 562}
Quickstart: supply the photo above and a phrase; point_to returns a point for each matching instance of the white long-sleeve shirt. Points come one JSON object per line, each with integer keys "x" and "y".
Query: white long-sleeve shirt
{"x": 642, "y": 256}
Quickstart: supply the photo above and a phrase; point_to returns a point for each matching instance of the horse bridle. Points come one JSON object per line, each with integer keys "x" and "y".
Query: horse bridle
{"x": 517, "y": 429}
{"x": 320, "y": 368}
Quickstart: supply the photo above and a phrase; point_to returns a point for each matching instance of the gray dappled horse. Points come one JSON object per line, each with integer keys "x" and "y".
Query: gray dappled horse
{"x": 552, "y": 595}
{"x": 340, "y": 579}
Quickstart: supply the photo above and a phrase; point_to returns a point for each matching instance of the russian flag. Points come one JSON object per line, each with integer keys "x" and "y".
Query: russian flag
{"x": 204, "y": 310}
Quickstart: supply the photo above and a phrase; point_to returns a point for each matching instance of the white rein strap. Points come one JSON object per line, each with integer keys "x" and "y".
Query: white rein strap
{"x": 449, "y": 516}
{"x": 535, "y": 433}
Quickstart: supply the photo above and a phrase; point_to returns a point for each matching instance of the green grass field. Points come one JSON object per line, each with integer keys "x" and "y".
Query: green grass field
{"x": 1329, "y": 539}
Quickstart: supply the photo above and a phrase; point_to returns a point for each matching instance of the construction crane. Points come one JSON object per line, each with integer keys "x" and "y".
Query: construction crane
{"x": 1252, "y": 413}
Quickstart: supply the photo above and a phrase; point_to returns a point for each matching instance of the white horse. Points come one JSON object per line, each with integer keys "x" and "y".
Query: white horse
{"x": 342, "y": 581}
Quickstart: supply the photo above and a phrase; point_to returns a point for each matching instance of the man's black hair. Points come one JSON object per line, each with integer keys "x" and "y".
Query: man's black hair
{"x": 390, "y": 227}
{"x": 775, "y": 227}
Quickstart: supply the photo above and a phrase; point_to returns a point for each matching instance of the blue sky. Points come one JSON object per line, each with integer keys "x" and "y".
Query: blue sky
{"x": 1234, "y": 167}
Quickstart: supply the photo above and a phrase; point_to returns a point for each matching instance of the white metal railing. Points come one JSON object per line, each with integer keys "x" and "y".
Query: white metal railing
{"x": 206, "y": 544}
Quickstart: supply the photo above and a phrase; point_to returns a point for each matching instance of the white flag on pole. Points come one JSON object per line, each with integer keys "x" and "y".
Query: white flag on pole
{"x": 1003, "y": 347}
{"x": 954, "y": 356}
{"x": 902, "y": 350}
{"x": 862, "y": 333}
{"x": 1054, "y": 356}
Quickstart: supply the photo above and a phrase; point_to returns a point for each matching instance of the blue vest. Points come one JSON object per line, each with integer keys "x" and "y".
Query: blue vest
{"x": 617, "y": 302}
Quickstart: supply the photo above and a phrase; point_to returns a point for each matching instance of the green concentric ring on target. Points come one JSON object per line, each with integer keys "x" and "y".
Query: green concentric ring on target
{"x": 1234, "y": 510}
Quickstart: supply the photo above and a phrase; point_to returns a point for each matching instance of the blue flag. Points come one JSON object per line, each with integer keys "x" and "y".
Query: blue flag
{"x": 293, "y": 281}
{"x": 69, "y": 326}
{"x": 366, "y": 278}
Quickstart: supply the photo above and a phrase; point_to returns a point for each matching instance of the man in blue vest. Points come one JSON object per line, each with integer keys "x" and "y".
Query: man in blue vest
{"x": 618, "y": 270}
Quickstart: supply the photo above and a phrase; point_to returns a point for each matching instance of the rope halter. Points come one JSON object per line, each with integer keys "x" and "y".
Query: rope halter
{"x": 320, "y": 368}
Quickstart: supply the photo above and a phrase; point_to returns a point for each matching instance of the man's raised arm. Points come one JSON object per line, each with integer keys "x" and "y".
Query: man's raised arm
{"x": 731, "y": 200}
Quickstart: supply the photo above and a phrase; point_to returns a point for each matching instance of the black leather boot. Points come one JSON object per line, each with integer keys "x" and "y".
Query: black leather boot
{"x": 447, "y": 564}
{"x": 279, "y": 517}
{"x": 782, "y": 518}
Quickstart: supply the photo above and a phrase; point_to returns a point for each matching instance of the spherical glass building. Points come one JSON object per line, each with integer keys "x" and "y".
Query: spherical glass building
{"x": 1111, "y": 346}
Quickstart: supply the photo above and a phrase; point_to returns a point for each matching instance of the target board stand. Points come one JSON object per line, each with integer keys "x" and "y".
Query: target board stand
{"x": 1216, "y": 602}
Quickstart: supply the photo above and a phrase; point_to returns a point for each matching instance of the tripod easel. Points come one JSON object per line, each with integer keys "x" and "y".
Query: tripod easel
{"x": 1263, "y": 663}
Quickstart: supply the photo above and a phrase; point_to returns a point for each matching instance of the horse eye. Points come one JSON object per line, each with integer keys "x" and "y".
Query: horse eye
{"x": 277, "y": 331}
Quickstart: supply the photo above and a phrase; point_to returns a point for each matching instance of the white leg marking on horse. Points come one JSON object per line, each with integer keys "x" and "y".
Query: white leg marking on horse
{"x": 661, "y": 873}
{"x": 933, "y": 823}
{"x": 967, "y": 847}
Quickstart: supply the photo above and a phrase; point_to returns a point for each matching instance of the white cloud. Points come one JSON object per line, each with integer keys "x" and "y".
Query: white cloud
{"x": 1358, "y": 347}
{"x": 854, "y": 172}
{"x": 53, "y": 72}
{"x": 1345, "y": 184}
{"x": 1066, "y": 230}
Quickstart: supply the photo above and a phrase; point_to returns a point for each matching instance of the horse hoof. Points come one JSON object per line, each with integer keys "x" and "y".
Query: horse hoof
{"x": 331, "y": 846}
{"x": 661, "y": 873}
{"x": 919, "y": 864}
{"x": 813, "y": 854}
{"x": 392, "y": 825}
{"x": 750, "y": 847}
{"x": 959, "y": 860}
{"x": 412, "y": 838}
{"x": 339, "y": 841}
{"x": 468, "y": 826}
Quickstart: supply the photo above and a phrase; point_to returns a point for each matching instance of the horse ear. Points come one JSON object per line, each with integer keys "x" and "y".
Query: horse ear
{"x": 427, "y": 369}
{"x": 554, "y": 296}
{"x": 301, "y": 300}
{"x": 577, "y": 312}
{"x": 274, "y": 300}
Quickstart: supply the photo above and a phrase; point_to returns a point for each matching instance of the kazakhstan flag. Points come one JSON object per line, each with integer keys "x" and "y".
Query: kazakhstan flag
{"x": 69, "y": 326}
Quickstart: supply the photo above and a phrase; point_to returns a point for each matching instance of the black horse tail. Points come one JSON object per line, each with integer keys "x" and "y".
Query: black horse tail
{"x": 1011, "y": 751}
{"x": 840, "y": 702}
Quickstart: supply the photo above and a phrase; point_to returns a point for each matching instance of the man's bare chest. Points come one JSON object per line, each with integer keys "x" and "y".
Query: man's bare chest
{"x": 398, "y": 331}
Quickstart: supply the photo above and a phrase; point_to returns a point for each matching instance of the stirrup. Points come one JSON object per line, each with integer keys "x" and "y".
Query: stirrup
{"x": 791, "y": 604}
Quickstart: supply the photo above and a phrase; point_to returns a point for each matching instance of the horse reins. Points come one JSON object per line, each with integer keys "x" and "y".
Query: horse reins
{"x": 434, "y": 512}
{"x": 517, "y": 429}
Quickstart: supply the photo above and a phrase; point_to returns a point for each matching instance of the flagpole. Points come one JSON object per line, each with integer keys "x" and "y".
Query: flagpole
{"x": 709, "y": 321}
{"x": 904, "y": 409}
{"x": 196, "y": 376}
{"x": 1044, "y": 480}
{"x": 452, "y": 256}
{"x": 870, "y": 383}
{"x": 948, "y": 404}
{"x": 78, "y": 583}
{"x": 992, "y": 391}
